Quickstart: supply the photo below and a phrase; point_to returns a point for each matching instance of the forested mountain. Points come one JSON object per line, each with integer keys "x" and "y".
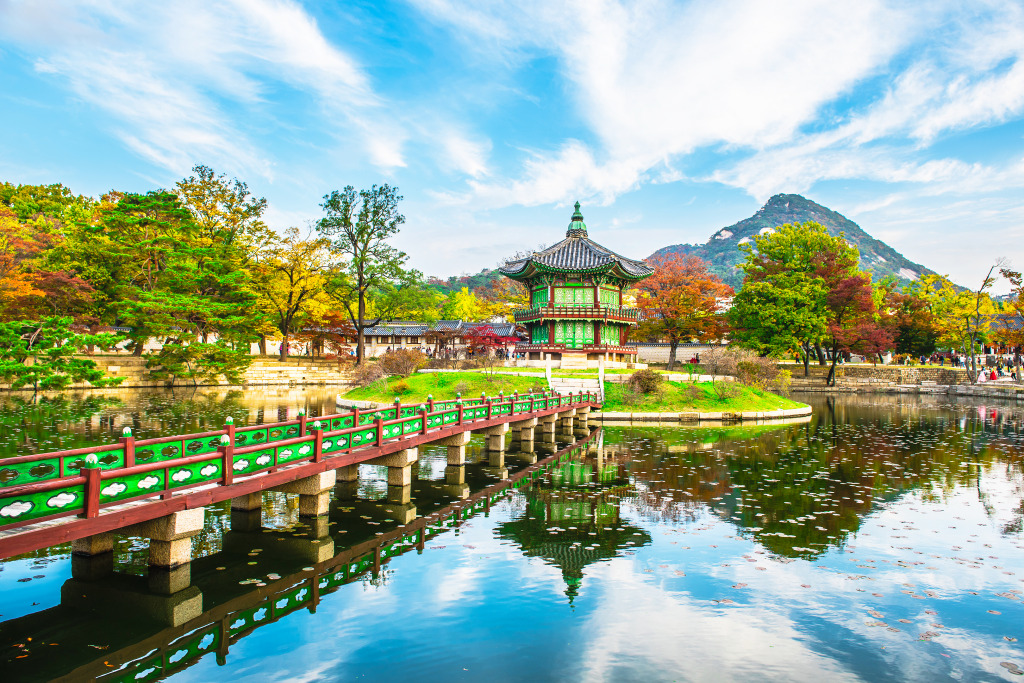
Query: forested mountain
{"x": 722, "y": 251}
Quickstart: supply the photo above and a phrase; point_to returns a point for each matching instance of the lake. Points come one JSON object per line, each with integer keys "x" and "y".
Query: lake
{"x": 881, "y": 540}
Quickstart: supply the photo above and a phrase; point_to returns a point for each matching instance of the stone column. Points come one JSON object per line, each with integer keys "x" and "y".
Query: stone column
{"x": 92, "y": 557}
{"x": 456, "y": 447}
{"x": 314, "y": 493}
{"x": 247, "y": 512}
{"x": 347, "y": 482}
{"x": 399, "y": 466}
{"x": 170, "y": 548}
{"x": 496, "y": 437}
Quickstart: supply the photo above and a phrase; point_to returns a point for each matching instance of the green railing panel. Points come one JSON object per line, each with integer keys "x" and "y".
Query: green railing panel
{"x": 131, "y": 485}
{"x": 107, "y": 460}
{"x": 363, "y": 437}
{"x": 250, "y": 437}
{"x": 291, "y": 600}
{"x": 28, "y": 472}
{"x": 195, "y": 473}
{"x": 360, "y": 565}
{"x": 296, "y": 451}
{"x": 198, "y": 446}
{"x": 335, "y": 443}
{"x": 282, "y": 433}
{"x": 40, "y": 504}
{"x": 412, "y": 426}
{"x": 245, "y": 463}
{"x": 148, "y": 669}
{"x": 342, "y": 422}
{"x": 147, "y": 453}
{"x": 183, "y": 652}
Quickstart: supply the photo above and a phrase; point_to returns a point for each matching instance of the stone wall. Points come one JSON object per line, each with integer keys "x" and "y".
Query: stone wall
{"x": 885, "y": 374}
{"x": 263, "y": 372}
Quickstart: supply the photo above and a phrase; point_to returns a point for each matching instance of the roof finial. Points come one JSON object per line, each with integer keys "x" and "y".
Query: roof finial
{"x": 577, "y": 228}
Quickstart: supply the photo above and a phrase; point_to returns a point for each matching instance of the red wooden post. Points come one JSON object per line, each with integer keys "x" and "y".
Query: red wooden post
{"x": 379, "y": 424}
{"x": 229, "y": 425}
{"x": 318, "y": 445}
{"x": 227, "y": 457}
{"x": 93, "y": 482}
{"x": 128, "y": 443}
{"x": 460, "y": 411}
{"x": 424, "y": 413}
{"x": 430, "y": 403}
{"x": 302, "y": 423}
{"x": 355, "y": 416}
{"x": 488, "y": 408}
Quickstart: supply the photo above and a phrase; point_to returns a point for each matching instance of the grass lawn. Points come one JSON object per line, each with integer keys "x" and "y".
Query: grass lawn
{"x": 444, "y": 385}
{"x": 679, "y": 397}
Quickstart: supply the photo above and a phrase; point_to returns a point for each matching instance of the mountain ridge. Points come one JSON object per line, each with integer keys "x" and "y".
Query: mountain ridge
{"x": 722, "y": 252}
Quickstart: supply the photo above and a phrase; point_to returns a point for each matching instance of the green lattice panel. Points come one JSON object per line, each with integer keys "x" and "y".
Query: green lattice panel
{"x": 131, "y": 485}
{"x": 246, "y": 619}
{"x": 195, "y": 473}
{"x": 28, "y": 472}
{"x": 200, "y": 446}
{"x": 363, "y": 437}
{"x": 435, "y": 421}
{"x": 108, "y": 459}
{"x": 296, "y": 451}
{"x": 158, "y": 452}
{"x": 283, "y": 432}
{"x": 148, "y": 669}
{"x": 412, "y": 426}
{"x": 250, "y": 437}
{"x": 192, "y": 647}
{"x": 335, "y": 579}
{"x": 335, "y": 443}
{"x": 410, "y": 411}
{"x": 360, "y": 565}
{"x": 445, "y": 405}
{"x": 291, "y": 600}
{"x": 246, "y": 463}
{"x": 450, "y": 417}
{"x": 34, "y": 505}
{"x": 343, "y": 422}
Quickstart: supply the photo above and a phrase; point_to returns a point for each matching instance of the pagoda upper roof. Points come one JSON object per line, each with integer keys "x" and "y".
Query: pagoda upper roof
{"x": 577, "y": 253}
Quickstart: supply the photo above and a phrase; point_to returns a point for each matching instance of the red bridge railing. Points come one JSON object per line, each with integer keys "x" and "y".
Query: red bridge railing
{"x": 81, "y": 481}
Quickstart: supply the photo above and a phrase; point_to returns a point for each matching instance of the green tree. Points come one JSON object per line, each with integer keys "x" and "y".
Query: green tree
{"x": 963, "y": 317}
{"x": 358, "y": 226}
{"x": 41, "y": 354}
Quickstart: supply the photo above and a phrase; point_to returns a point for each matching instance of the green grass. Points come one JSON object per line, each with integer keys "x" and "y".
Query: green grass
{"x": 678, "y": 397}
{"x": 444, "y": 385}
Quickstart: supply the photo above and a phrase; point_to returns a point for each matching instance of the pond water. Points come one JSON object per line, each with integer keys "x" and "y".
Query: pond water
{"x": 881, "y": 540}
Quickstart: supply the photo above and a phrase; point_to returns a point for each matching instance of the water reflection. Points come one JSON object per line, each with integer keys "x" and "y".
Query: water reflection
{"x": 879, "y": 541}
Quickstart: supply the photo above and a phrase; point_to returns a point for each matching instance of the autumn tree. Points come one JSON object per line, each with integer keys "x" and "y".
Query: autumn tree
{"x": 913, "y": 324}
{"x": 682, "y": 302}
{"x": 290, "y": 275}
{"x": 1011, "y": 328}
{"x": 464, "y": 305}
{"x": 962, "y": 316}
{"x": 357, "y": 227}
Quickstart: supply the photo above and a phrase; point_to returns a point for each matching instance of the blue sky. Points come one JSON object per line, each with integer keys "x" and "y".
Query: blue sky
{"x": 666, "y": 120}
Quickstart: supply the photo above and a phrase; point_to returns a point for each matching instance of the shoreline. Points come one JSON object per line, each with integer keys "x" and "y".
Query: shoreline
{"x": 800, "y": 414}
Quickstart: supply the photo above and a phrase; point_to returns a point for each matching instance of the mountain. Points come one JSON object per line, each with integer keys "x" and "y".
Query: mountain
{"x": 723, "y": 254}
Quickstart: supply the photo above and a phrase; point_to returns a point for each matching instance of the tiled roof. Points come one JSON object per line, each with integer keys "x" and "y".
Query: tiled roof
{"x": 397, "y": 328}
{"x": 578, "y": 252}
{"x": 447, "y": 326}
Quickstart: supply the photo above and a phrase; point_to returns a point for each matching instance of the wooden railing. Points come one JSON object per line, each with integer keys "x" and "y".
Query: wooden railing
{"x": 588, "y": 312}
{"x": 84, "y": 480}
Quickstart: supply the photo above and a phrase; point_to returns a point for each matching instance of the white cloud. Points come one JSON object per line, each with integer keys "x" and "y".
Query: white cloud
{"x": 62, "y": 499}
{"x": 15, "y": 509}
{"x": 148, "y": 482}
{"x": 113, "y": 488}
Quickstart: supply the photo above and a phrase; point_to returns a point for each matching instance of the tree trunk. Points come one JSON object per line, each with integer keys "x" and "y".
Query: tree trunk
{"x": 807, "y": 360}
{"x": 263, "y": 344}
{"x": 672, "y": 346}
{"x": 831, "y": 379}
{"x": 360, "y": 341}
{"x": 283, "y": 355}
{"x": 822, "y": 358}
{"x": 137, "y": 350}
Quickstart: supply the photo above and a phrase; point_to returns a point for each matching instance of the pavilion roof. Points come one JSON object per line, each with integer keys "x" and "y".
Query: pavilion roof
{"x": 576, "y": 253}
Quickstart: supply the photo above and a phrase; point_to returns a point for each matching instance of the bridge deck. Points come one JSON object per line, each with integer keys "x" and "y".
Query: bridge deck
{"x": 69, "y": 495}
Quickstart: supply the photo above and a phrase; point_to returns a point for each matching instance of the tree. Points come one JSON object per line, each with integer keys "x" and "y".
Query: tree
{"x": 41, "y": 354}
{"x": 357, "y": 226}
{"x": 1011, "y": 329}
{"x": 502, "y": 296}
{"x": 225, "y": 212}
{"x": 782, "y": 306}
{"x": 682, "y": 302}
{"x": 962, "y": 316}
{"x": 463, "y": 305}
{"x": 290, "y": 277}
{"x": 912, "y": 321}
{"x": 852, "y": 320}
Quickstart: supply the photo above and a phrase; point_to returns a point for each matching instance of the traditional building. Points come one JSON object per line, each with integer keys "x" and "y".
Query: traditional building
{"x": 576, "y": 317}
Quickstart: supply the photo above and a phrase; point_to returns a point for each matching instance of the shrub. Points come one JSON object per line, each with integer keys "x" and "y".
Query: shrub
{"x": 693, "y": 393}
{"x": 461, "y": 387}
{"x": 366, "y": 374}
{"x": 400, "y": 387}
{"x": 402, "y": 362}
{"x": 646, "y": 382}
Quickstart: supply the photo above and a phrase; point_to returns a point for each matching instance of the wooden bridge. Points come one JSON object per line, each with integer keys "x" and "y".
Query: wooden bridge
{"x": 157, "y": 488}
{"x": 217, "y": 610}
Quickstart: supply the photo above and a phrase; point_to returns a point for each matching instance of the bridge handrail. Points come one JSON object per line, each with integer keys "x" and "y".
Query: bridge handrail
{"x": 94, "y": 487}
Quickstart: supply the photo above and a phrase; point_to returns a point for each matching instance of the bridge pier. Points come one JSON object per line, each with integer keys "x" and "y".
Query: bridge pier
{"x": 170, "y": 537}
{"x": 347, "y": 482}
{"x": 92, "y": 557}
{"x": 399, "y": 466}
{"x": 583, "y": 418}
{"x": 456, "y": 447}
{"x": 565, "y": 420}
{"x": 496, "y": 436}
{"x": 314, "y": 493}
{"x": 247, "y": 512}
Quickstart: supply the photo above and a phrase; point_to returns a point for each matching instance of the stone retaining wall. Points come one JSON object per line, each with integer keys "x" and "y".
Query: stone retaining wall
{"x": 263, "y": 372}
{"x": 800, "y": 413}
{"x": 892, "y": 374}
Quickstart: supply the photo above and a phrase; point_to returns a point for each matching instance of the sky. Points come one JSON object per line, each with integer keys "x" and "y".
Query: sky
{"x": 666, "y": 120}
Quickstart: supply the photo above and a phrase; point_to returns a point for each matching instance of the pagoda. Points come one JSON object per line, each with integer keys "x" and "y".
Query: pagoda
{"x": 576, "y": 318}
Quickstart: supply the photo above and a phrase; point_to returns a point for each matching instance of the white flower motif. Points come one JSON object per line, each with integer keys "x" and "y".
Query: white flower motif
{"x": 281, "y": 604}
{"x": 113, "y": 489}
{"x": 16, "y": 509}
{"x": 263, "y": 459}
{"x": 177, "y": 656}
{"x": 237, "y": 623}
{"x": 305, "y": 449}
{"x": 241, "y": 465}
{"x": 181, "y": 475}
{"x": 206, "y": 642}
{"x": 61, "y": 499}
{"x": 260, "y": 614}
{"x": 285, "y": 453}
{"x": 328, "y": 444}
{"x": 208, "y": 470}
{"x": 148, "y": 482}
